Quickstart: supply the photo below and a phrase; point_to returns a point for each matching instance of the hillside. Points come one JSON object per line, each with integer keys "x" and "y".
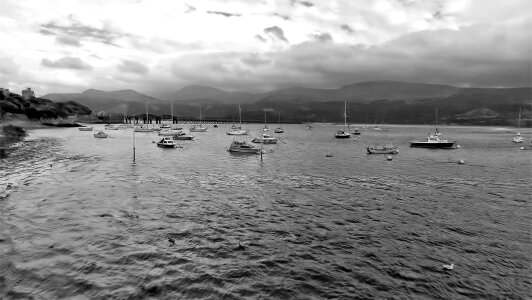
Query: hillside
{"x": 37, "y": 108}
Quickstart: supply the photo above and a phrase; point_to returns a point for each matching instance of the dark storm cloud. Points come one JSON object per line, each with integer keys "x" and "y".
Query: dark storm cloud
{"x": 82, "y": 31}
{"x": 225, "y": 14}
{"x": 68, "y": 40}
{"x": 66, "y": 62}
{"x": 277, "y": 32}
{"x": 131, "y": 66}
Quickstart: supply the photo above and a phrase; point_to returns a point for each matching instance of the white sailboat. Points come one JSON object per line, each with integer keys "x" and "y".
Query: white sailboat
{"x": 144, "y": 128}
{"x": 237, "y": 130}
{"x": 200, "y": 127}
{"x": 343, "y": 134}
{"x": 517, "y": 137}
{"x": 266, "y": 138}
{"x": 279, "y": 129}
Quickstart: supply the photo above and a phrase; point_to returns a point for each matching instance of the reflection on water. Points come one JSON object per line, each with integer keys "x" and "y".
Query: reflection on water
{"x": 79, "y": 219}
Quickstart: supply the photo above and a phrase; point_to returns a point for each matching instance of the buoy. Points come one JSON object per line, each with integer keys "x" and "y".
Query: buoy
{"x": 461, "y": 162}
{"x": 522, "y": 148}
{"x": 448, "y": 267}
{"x": 389, "y": 157}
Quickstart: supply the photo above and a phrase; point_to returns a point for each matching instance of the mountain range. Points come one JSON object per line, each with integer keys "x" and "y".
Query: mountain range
{"x": 369, "y": 102}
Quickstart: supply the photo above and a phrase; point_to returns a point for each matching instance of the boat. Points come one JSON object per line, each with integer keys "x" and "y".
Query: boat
{"x": 183, "y": 137}
{"x": 85, "y": 128}
{"x": 200, "y": 127}
{"x": 433, "y": 141}
{"x": 215, "y": 126}
{"x": 144, "y": 128}
{"x": 517, "y": 138}
{"x": 308, "y": 127}
{"x": 356, "y": 132}
{"x": 266, "y": 138}
{"x": 169, "y": 132}
{"x": 237, "y": 130}
{"x": 279, "y": 129}
{"x": 166, "y": 142}
{"x": 343, "y": 134}
{"x": 243, "y": 147}
{"x": 388, "y": 149}
{"x": 100, "y": 135}
{"x": 111, "y": 127}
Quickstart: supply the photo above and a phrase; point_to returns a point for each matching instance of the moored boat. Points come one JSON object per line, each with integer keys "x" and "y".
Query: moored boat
{"x": 85, "y": 128}
{"x": 166, "y": 142}
{"x": 343, "y": 134}
{"x": 183, "y": 137}
{"x": 169, "y": 132}
{"x": 237, "y": 130}
{"x": 198, "y": 128}
{"x": 100, "y": 135}
{"x": 433, "y": 141}
{"x": 389, "y": 149}
{"x": 243, "y": 147}
{"x": 517, "y": 138}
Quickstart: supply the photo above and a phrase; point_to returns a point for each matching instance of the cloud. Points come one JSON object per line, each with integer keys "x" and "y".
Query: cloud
{"x": 189, "y": 9}
{"x": 304, "y": 3}
{"x": 131, "y": 66}
{"x": 225, "y": 14}
{"x": 347, "y": 28}
{"x": 321, "y": 37}
{"x": 260, "y": 38}
{"x": 68, "y": 40}
{"x": 66, "y": 62}
{"x": 276, "y": 32}
{"x": 76, "y": 29}
{"x": 7, "y": 66}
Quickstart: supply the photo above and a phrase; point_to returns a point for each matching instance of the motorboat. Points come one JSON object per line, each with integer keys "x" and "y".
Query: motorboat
{"x": 166, "y": 142}
{"x": 355, "y": 132}
{"x": 237, "y": 130}
{"x": 85, "y": 128}
{"x": 265, "y": 139}
{"x": 389, "y": 149}
{"x": 215, "y": 126}
{"x": 100, "y": 135}
{"x": 433, "y": 141}
{"x": 183, "y": 137}
{"x": 243, "y": 147}
{"x": 343, "y": 134}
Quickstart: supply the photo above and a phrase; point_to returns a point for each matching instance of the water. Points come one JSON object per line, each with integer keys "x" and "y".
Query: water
{"x": 78, "y": 219}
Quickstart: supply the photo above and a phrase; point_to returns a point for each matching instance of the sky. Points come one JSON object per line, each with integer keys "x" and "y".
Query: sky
{"x": 159, "y": 46}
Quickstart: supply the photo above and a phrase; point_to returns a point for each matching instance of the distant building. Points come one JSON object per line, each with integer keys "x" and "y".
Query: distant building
{"x": 5, "y": 92}
{"x": 28, "y": 94}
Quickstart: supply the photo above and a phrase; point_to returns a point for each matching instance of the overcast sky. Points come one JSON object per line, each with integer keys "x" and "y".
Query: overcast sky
{"x": 159, "y": 46}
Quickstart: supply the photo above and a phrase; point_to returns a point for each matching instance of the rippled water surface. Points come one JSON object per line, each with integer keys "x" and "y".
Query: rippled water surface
{"x": 78, "y": 219}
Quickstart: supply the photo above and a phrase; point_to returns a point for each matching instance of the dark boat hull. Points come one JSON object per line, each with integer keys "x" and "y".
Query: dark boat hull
{"x": 446, "y": 145}
{"x": 165, "y": 145}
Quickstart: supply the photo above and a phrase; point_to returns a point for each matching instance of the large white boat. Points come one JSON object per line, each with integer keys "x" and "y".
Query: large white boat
{"x": 243, "y": 147}
{"x": 237, "y": 130}
{"x": 343, "y": 134}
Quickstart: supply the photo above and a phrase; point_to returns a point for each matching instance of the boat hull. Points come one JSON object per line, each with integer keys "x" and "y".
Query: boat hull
{"x": 433, "y": 145}
{"x": 264, "y": 141}
{"x": 382, "y": 151}
{"x": 165, "y": 145}
{"x": 239, "y": 132}
{"x": 342, "y": 136}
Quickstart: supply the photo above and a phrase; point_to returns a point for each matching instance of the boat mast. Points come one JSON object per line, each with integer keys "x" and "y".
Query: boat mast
{"x": 345, "y": 115}
{"x": 172, "y": 111}
{"x": 519, "y": 121}
{"x": 239, "y": 115}
{"x": 147, "y": 120}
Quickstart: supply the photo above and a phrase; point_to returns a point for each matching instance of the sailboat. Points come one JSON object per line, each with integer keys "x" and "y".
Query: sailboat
{"x": 343, "y": 134}
{"x": 237, "y": 130}
{"x": 279, "y": 129}
{"x": 517, "y": 137}
{"x": 200, "y": 127}
{"x": 308, "y": 124}
{"x": 266, "y": 137}
{"x": 143, "y": 128}
{"x": 167, "y": 129}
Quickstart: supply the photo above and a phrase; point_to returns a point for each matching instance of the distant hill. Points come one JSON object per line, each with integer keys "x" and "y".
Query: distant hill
{"x": 120, "y": 102}
{"x": 372, "y": 102}
{"x": 37, "y": 108}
